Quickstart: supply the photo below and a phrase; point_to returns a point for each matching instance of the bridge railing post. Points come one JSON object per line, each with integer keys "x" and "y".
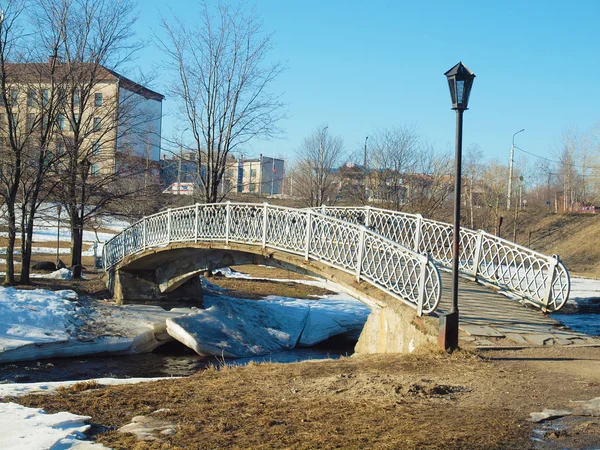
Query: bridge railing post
{"x": 478, "y": 253}
{"x": 145, "y": 238}
{"x": 424, "y": 260}
{"x": 227, "y": 221}
{"x": 196, "y": 223}
{"x": 553, "y": 263}
{"x": 169, "y": 226}
{"x": 418, "y": 233}
{"x": 264, "y": 230}
{"x": 367, "y": 216}
{"x": 361, "y": 251}
{"x": 123, "y": 245}
{"x": 308, "y": 228}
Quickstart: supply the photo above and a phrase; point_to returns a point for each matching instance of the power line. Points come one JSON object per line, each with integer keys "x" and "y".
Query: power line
{"x": 556, "y": 162}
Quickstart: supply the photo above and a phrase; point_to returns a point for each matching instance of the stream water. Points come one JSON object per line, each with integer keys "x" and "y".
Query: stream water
{"x": 170, "y": 360}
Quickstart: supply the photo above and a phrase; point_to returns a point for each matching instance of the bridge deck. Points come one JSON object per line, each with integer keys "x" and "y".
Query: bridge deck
{"x": 488, "y": 319}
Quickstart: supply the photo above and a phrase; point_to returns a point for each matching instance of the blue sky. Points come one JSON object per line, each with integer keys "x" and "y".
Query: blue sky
{"x": 362, "y": 65}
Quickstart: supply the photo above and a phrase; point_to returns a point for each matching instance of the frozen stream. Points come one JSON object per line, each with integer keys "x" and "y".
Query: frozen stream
{"x": 170, "y": 360}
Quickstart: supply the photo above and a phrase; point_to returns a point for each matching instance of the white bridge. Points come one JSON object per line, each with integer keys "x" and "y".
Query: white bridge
{"x": 396, "y": 252}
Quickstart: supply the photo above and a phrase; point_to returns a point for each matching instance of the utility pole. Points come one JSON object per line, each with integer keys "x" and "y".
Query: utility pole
{"x": 272, "y": 175}
{"x": 510, "y": 170}
{"x": 320, "y": 169}
{"x": 365, "y": 173}
{"x": 179, "y": 169}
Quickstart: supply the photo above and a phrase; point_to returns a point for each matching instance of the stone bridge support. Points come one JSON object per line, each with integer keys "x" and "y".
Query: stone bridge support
{"x": 171, "y": 272}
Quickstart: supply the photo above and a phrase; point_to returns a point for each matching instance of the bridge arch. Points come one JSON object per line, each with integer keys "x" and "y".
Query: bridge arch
{"x": 399, "y": 272}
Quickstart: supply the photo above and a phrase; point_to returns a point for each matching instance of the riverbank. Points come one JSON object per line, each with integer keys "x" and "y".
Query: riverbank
{"x": 431, "y": 400}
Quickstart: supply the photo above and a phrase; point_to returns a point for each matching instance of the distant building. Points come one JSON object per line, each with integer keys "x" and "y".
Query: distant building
{"x": 263, "y": 175}
{"x": 180, "y": 189}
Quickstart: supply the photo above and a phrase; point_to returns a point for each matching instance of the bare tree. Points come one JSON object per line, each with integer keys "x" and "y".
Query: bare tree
{"x": 392, "y": 153}
{"x": 16, "y": 132}
{"x": 472, "y": 177}
{"x": 430, "y": 184}
{"x": 314, "y": 178}
{"x": 223, "y": 82}
{"x": 98, "y": 126}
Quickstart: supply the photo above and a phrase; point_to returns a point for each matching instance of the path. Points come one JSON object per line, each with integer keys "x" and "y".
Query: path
{"x": 490, "y": 319}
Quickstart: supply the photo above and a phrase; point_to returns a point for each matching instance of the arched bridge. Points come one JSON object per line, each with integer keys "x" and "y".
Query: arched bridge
{"x": 402, "y": 273}
{"x": 396, "y": 252}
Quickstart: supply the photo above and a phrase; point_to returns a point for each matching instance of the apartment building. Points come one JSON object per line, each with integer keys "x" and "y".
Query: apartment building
{"x": 263, "y": 175}
{"x": 106, "y": 113}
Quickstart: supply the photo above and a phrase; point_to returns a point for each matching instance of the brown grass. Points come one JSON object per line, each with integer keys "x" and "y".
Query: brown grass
{"x": 79, "y": 387}
{"x": 432, "y": 401}
{"x": 261, "y": 288}
{"x": 257, "y": 289}
{"x": 269, "y": 272}
{"x": 572, "y": 236}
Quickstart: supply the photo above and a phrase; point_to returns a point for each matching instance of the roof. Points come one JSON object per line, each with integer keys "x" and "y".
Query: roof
{"x": 37, "y": 72}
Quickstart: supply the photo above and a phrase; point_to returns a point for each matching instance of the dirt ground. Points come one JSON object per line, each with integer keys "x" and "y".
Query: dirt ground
{"x": 427, "y": 400}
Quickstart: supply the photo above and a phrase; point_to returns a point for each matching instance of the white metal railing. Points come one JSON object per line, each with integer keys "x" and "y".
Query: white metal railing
{"x": 539, "y": 279}
{"x": 407, "y": 275}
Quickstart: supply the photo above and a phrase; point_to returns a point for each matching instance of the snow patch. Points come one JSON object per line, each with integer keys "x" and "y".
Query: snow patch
{"x": 32, "y": 428}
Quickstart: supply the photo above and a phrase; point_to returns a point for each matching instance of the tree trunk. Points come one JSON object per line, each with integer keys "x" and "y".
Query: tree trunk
{"x": 76, "y": 241}
{"x": 9, "y": 278}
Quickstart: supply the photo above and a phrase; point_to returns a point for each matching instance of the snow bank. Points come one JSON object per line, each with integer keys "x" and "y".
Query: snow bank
{"x": 32, "y": 429}
{"x": 49, "y": 387}
{"x": 237, "y": 328}
{"x": 40, "y": 323}
{"x": 35, "y": 317}
{"x": 60, "y": 274}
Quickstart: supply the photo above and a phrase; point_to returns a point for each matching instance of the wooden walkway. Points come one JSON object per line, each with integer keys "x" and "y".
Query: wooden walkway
{"x": 490, "y": 319}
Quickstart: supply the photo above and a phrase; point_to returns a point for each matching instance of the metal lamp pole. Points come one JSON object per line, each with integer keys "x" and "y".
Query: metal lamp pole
{"x": 460, "y": 81}
{"x": 510, "y": 170}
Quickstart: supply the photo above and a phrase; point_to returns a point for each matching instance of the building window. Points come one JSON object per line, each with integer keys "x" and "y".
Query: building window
{"x": 95, "y": 169}
{"x": 60, "y": 122}
{"x": 30, "y": 121}
{"x": 45, "y": 96}
{"x": 14, "y": 96}
{"x": 75, "y": 122}
{"x": 98, "y": 99}
{"x": 60, "y": 148}
{"x": 31, "y": 98}
{"x": 251, "y": 187}
{"x": 97, "y": 123}
{"x": 76, "y": 98}
{"x": 252, "y": 173}
{"x": 96, "y": 148}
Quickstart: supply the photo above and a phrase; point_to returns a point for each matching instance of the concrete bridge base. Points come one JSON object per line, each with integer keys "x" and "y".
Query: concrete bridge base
{"x": 172, "y": 272}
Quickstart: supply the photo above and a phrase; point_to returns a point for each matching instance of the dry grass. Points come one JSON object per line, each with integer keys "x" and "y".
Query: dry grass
{"x": 261, "y": 288}
{"x": 257, "y": 289}
{"x": 416, "y": 401}
{"x": 572, "y": 236}
{"x": 269, "y": 272}
{"x": 79, "y": 387}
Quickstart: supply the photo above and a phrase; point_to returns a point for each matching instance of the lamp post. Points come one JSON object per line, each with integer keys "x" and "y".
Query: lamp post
{"x": 460, "y": 81}
{"x": 510, "y": 170}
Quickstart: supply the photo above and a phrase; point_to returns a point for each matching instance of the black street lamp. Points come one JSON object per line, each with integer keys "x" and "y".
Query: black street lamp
{"x": 460, "y": 81}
